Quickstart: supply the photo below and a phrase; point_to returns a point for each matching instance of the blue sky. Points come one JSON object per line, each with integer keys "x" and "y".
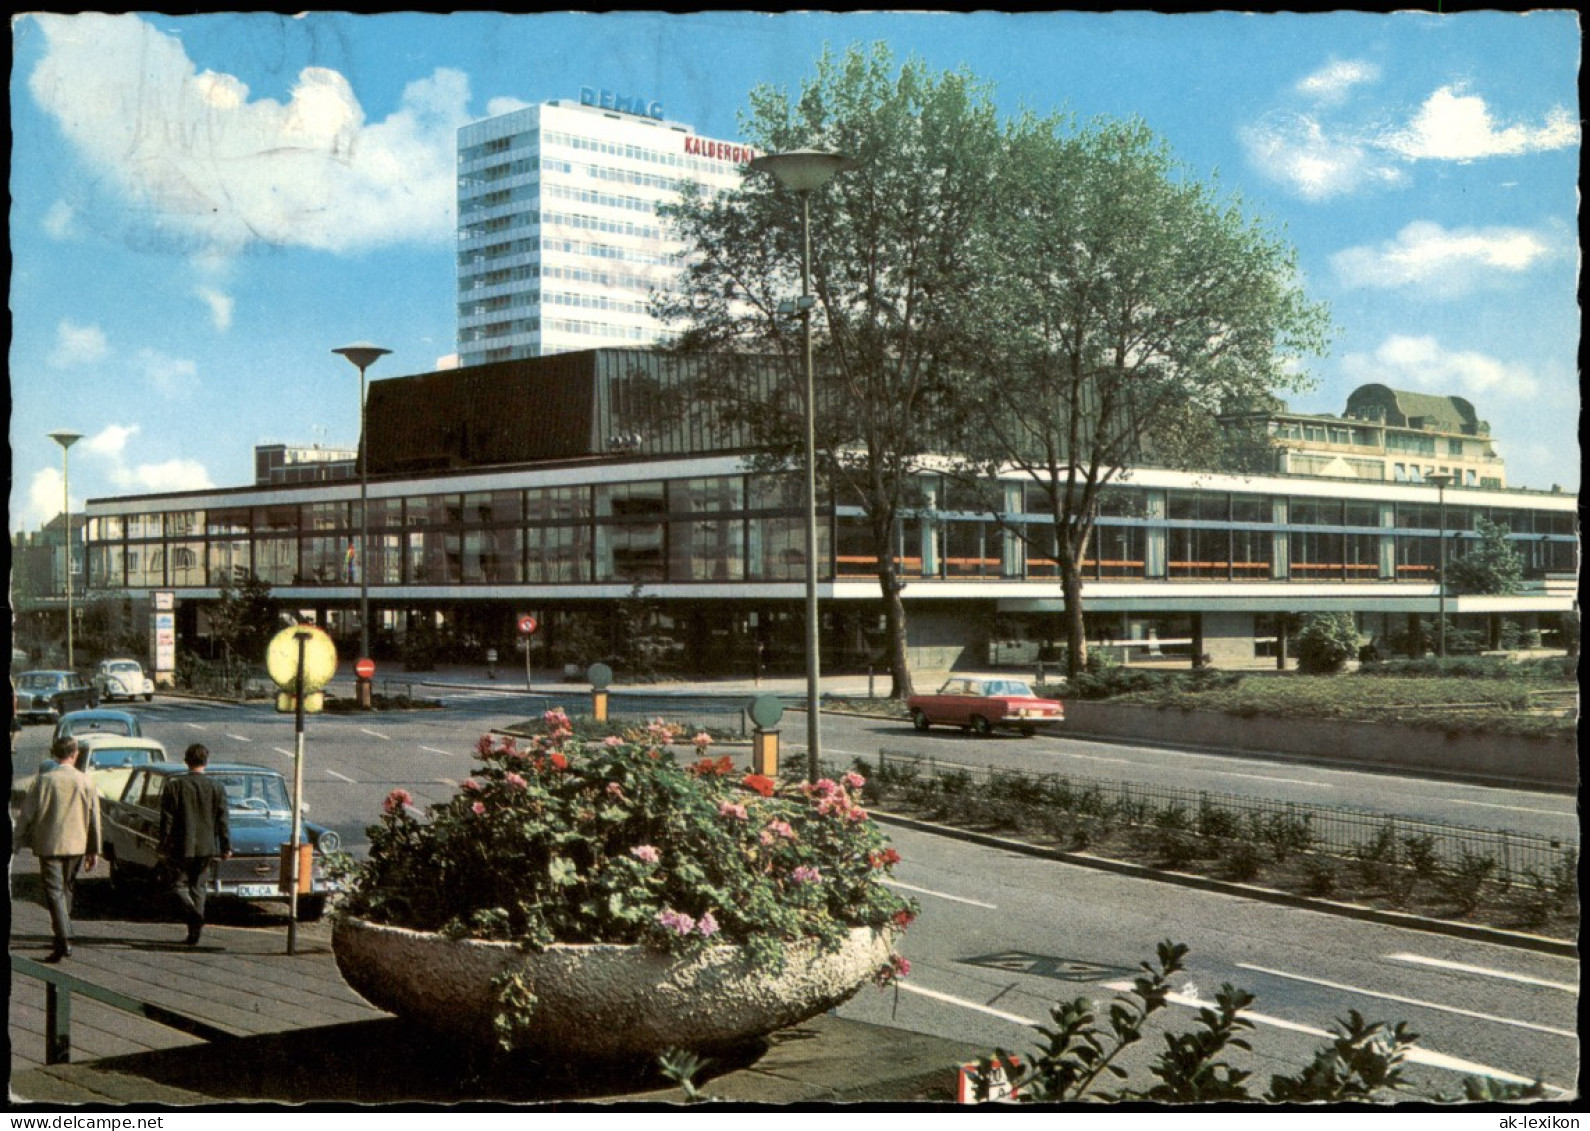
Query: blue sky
{"x": 203, "y": 207}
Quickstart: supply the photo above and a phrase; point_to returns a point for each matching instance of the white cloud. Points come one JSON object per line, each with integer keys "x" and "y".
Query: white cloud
{"x": 172, "y": 475}
{"x": 1332, "y": 82}
{"x": 220, "y": 305}
{"x": 60, "y": 222}
{"x": 78, "y": 345}
{"x": 1444, "y": 262}
{"x": 504, "y": 105}
{"x": 1419, "y": 362}
{"x": 1458, "y": 127}
{"x": 173, "y": 377}
{"x": 43, "y": 500}
{"x": 110, "y": 441}
{"x": 197, "y": 164}
{"x": 1299, "y": 151}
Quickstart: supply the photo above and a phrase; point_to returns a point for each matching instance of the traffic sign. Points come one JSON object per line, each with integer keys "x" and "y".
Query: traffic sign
{"x": 364, "y": 669}
{"x": 319, "y": 653}
{"x": 527, "y": 625}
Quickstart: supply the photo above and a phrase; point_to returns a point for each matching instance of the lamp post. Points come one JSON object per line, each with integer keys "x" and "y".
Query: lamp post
{"x": 802, "y": 171}
{"x": 363, "y": 355}
{"x": 1441, "y": 480}
{"x": 66, "y": 440}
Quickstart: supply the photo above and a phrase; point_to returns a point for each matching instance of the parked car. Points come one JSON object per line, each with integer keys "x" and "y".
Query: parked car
{"x": 984, "y": 705}
{"x": 45, "y": 696}
{"x": 122, "y": 679}
{"x": 98, "y": 720}
{"x": 107, "y": 758}
{"x": 260, "y": 819}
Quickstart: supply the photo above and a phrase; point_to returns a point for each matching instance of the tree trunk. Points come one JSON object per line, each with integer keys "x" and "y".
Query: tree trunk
{"x": 1076, "y": 637}
{"x": 894, "y": 633}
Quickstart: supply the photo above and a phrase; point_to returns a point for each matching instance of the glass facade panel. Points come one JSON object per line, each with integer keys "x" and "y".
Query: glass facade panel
{"x": 493, "y": 556}
{"x": 107, "y": 566}
{"x": 1418, "y": 516}
{"x": 432, "y": 510}
{"x": 631, "y": 551}
{"x": 1252, "y": 508}
{"x": 325, "y": 560}
{"x": 558, "y": 554}
{"x": 1418, "y": 558}
{"x": 1122, "y": 502}
{"x": 229, "y": 520}
{"x": 1316, "y": 556}
{"x": 776, "y": 548}
{"x": 1361, "y": 554}
{"x": 183, "y": 524}
{"x": 628, "y": 500}
{"x": 276, "y": 560}
{"x": 557, "y": 504}
{"x": 710, "y": 550}
{"x": 1315, "y": 512}
{"x": 226, "y": 562}
{"x": 1199, "y": 553}
{"x": 112, "y": 528}
{"x": 384, "y": 514}
{"x": 1361, "y": 514}
{"x": 144, "y": 526}
{"x": 327, "y": 516}
{"x": 434, "y": 558}
{"x": 857, "y": 556}
{"x": 493, "y": 508}
{"x": 1252, "y": 552}
{"x": 1206, "y": 506}
{"x": 1118, "y": 551}
{"x": 146, "y": 566}
{"x": 717, "y": 493}
{"x": 278, "y": 519}
{"x": 775, "y": 493}
{"x": 967, "y": 552}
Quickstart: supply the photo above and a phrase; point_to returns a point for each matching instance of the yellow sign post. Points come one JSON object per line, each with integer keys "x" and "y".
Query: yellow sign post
{"x": 301, "y": 660}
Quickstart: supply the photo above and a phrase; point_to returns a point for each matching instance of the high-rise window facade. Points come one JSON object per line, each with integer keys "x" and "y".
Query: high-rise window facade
{"x": 559, "y": 242}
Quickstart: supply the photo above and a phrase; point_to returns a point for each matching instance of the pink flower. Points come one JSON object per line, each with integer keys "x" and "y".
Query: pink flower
{"x": 483, "y": 746}
{"x": 478, "y": 807}
{"x": 514, "y": 780}
{"x": 659, "y": 732}
{"x": 708, "y": 926}
{"x": 855, "y": 780}
{"x": 645, "y": 853}
{"x": 897, "y": 967}
{"x": 702, "y": 740}
{"x": 557, "y": 722}
{"x": 806, "y": 874}
{"x": 397, "y": 801}
{"x": 676, "y": 921}
{"x": 615, "y": 791}
{"x": 612, "y": 740}
{"x": 775, "y": 830}
{"x": 471, "y": 785}
{"x": 732, "y": 811}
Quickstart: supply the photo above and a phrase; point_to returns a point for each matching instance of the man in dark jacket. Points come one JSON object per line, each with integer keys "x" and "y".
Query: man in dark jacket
{"x": 193, "y": 832}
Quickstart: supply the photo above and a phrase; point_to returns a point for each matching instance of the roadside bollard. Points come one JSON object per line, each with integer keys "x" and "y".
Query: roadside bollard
{"x": 765, "y": 712}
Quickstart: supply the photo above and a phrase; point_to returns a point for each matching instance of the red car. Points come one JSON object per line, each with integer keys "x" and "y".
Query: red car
{"x": 982, "y": 705}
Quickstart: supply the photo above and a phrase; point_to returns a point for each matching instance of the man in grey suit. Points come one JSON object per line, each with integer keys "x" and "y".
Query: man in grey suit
{"x": 59, "y": 821}
{"x": 193, "y": 832}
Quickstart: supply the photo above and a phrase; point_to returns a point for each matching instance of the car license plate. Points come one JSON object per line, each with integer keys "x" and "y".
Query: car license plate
{"x": 255, "y": 891}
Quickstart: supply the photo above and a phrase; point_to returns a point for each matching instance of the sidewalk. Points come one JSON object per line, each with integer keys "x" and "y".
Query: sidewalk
{"x": 301, "y": 1036}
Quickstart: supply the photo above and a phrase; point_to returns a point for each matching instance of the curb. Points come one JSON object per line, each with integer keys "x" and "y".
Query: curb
{"x": 1495, "y": 935}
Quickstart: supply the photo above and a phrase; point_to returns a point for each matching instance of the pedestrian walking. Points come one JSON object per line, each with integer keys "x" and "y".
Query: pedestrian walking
{"x": 59, "y": 821}
{"x": 193, "y": 833}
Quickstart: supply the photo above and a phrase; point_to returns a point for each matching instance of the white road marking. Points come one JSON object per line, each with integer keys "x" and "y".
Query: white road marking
{"x": 940, "y": 894}
{"x": 1416, "y": 1055}
{"x": 1486, "y": 971}
{"x": 342, "y": 777}
{"x": 196, "y": 726}
{"x": 1413, "y": 1001}
{"x": 239, "y": 738}
{"x": 283, "y": 753}
{"x": 376, "y": 734}
{"x": 1513, "y": 808}
{"x": 433, "y": 750}
{"x": 1091, "y": 757}
{"x": 923, "y": 991}
{"x": 1262, "y": 777}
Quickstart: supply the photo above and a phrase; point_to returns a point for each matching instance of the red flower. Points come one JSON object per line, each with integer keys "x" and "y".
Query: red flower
{"x": 903, "y": 919}
{"x": 883, "y": 859}
{"x": 759, "y": 783}
{"x": 709, "y": 767}
{"x": 559, "y": 761}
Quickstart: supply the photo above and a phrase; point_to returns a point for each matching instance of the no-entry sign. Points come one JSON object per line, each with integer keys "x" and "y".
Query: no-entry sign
{"x": 527, "y": 625}
{"x": 364, "y": 669}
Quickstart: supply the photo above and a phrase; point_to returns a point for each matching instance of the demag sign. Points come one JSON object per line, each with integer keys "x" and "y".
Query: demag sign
{"x": 624, "y": 103}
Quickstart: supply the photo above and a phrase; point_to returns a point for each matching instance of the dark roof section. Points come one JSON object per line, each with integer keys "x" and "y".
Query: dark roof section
{"x": 565, "y": 406}
{"x": 1415, "y": 410}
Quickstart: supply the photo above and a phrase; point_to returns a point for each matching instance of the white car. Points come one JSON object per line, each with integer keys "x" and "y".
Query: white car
{"x": 122, "y": 679}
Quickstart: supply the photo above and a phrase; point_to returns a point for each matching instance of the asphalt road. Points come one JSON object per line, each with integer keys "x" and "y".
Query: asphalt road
{"x": 1003, "y": 936}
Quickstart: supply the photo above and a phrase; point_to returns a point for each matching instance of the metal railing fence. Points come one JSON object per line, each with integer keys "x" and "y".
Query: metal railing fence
{"x": 1331, "y": 830}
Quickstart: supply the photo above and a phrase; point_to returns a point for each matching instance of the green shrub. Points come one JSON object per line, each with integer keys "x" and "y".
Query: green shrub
{"x": 1326, "y": 642}
{"x": 1243, "y": 861}
{"x": 1465, "y": 883}
{"x": 1319, "y": 877}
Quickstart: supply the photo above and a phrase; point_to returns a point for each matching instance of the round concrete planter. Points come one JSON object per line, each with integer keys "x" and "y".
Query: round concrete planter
{"x": 600, "y": 1000}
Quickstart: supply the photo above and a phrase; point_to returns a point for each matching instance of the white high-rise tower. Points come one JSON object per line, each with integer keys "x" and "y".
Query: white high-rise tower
{"x": 559, "y": 243}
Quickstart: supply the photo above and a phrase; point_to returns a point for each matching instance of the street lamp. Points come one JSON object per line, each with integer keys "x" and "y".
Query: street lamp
{"x": 1440, "y": 479}
{"x": 802, "y": 171}
{"x": 66, "y": 440}
{"x": 363, "y": 355}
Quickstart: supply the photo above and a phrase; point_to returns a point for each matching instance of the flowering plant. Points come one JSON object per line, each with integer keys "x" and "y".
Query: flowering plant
{"x": 554, "y": 840}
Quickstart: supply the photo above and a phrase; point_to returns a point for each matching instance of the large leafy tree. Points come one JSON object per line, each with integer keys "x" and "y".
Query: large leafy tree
{"x": 1491, "y": 567}
{"x": 889, "y": 272}
{"x": 244, "y": 619}
{"x": 1120, "y": 305}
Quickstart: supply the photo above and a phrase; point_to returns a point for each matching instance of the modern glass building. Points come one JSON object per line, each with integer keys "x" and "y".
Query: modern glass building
{"x": 496, "y": 492}
{"x": 559, "y": 243}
